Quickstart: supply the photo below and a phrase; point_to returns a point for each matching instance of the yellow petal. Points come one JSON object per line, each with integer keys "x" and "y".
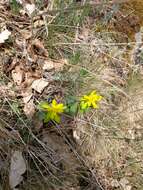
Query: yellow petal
{"x": 47, "y": 118}
{"x": 84, "y": 98}
{"x": 52, "y": 115}
{"x": 95, "y": 105}
{"x": 57, "y": 118}
{"x": 93, "y": 93}
{"x": 98, "y": 98}
{"x": 54, "y": 103}
{"x": 59, "y": 106}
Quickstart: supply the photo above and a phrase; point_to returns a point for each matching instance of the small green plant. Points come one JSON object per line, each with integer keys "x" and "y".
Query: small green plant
{"x": 15, "y": 6}
{"x": 54, "y": 110}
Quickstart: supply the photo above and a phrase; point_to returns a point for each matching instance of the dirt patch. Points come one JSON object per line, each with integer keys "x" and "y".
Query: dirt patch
{"x": 130, "y": 18}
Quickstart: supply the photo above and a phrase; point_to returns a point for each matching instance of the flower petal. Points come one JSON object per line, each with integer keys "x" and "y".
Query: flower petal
{"x": 85, "y": 98}
{"x": 44, "y": 105}
{"x": 95, "y": 105}
{"x": 54, "y": 103}
{"x": 57, "y": 118}
{"x": 47, "y": 118}
{"x": 93, "y": 93}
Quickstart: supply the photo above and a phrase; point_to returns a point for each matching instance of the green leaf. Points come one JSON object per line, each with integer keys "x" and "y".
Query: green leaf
{"x": 43, "y": 105}
{"x": 15, "y": 107}
{"x": 75, "y": 58}
{"x": 83, "y": 72}
{"x": 15, "y": 6}
{"x": 73, "y": 109}
{"x": 82, "y": 111}
{"x": 70, "y": 100}
{"x": 40, "y": 115}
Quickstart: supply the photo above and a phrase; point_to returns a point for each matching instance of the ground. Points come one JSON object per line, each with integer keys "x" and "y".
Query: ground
{"x": 64, "y": 50}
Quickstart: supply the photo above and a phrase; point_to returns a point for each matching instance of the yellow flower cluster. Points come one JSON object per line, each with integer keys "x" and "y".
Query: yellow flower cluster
{"x": 90, "y": 100}
{"x": 53, "y": 110}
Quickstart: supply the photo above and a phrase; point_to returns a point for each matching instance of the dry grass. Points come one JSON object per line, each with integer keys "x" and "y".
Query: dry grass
{"x": 110, "y": 139}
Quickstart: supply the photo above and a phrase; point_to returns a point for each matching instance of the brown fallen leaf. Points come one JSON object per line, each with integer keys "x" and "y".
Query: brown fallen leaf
{"x": 27, "y": 95}
{"x": 115, "y": 183}
{"x": 48, "y": 65}
{"x": 17, "y": 168}
{"x": 29, "y": 109}
{"x": 57, "y": 65}
{"x": 26, "y": 34}
{"x": 39, "y": 48}
{"x": 18, "y": 75}
{"x": 28, "y": 81}
{"x": 30, "y": 8}
{"x": 39, "y": 85}
{"x": 125, "y": 184}
{"x": 38, "y": 23}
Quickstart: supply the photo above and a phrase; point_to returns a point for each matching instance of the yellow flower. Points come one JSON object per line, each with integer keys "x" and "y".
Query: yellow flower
{"x": 90, "y": 100}
{"x": 53, "y": 110}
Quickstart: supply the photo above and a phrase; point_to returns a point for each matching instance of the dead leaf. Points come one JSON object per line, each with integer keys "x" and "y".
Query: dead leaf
{"x": 4, "y": 35}
{"x": 57, "y": 65}
{"x": 115, "y": 183}
{"x": 39, "y": 85}
{"x": 29, "y": 78}
{"x": 27, "y": 95}
{"x": 30, "y": 8}
{"x": 39, "y": 48}
{"x": 17, "y": 168}
{"x": 18, "y": 75}
{"x": 38, "y": 23}
{"x": 26, "y": 34}
{"x": 48, "y": 65}
{"x": 125, "y": 184}
{"x": 29, "y": 109}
